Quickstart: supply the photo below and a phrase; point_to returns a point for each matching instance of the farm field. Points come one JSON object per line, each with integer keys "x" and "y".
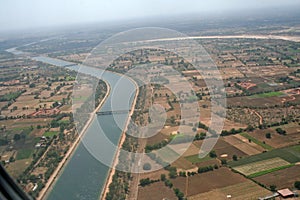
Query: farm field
{"x": 259, "y": 166}
{"x": 243, "y": 144}
{"x": 208, "y": 181}
{"x": 246, "y": 101}
{"x": 183, "y": 163}
{"x": 150, "y": 192}
{"x": 289, "y": 154}
{"x": 241, "y": 191}
{"x": 284, "y": 178}
{"x": 256, "y": 141}
{"x": 266, "y": 95}
{"x": 50, "y": 133}
{"x": 195, "y": 158}
{"x": 224, "y": 149}
{"x": 276, "y": 140}
{"x": 17, "y": 168}
{"x": 25, "y": 122}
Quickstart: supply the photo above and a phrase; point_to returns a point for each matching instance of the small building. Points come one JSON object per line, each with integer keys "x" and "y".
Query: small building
{"x": 43, "y": 139}
{"x": 38, "y": 145}
{"x": 286, "y": 193}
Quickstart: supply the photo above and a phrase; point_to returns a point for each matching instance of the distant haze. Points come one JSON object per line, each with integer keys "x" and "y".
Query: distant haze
{"x": 20, "y": 14}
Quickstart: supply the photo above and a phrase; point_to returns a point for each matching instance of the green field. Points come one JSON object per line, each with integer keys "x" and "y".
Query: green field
{"x": 266, "y": 95}
{"x": 10, "y": 96}
{"x": 256, "y": 141}
{"x": 24, "y": 154}
{"x": 50, "y": 133}
{"x": 167, "y": 154}
{"x": 65, "y": 122}
{"x": 195, "y": 158}
{"x": 177, "y": 136}
{"x": 261, "y": 166}
{"x": 290, "y": 154}
{"x": 270, "y": 171}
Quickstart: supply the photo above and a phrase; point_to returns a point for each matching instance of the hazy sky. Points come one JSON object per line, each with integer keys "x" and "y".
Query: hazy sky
{"x": 18, "y": 14}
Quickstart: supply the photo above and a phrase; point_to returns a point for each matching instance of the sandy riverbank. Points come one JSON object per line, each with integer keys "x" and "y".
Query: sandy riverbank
{"x": 60, "y": 166}
{"x": 112, "y": 170}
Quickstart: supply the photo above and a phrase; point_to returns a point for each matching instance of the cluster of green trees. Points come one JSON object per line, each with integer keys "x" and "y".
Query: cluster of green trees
{"x": 200, "y": 136}
{"x": 159, "y": 145}
{"x": 169, "y": 184}
{"x": 172, "y": 171}
{"x": 251, "y": 128}
{"x": 280, "y": 131}
{"x": 11, "y": 96}
{"x": 119, "y": 187}
{"x": 147, "y": 181}
{"x": 179, "y": 194}
{"x": 231, "y": 132}
{"x": 264, "y": 126}
{"x": 212, "y": 154}
{"x": 203, "y": 126}
{"x": 205, "y": 169}
{"x": 297, "y": 185}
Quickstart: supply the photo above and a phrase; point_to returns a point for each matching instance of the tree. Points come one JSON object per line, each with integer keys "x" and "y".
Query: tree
{"x": 223, "y": 161}
{"x": 234, "y": 157}
{"x": 162, "y": 177}
{"x": 168, "y": 183}
{"x": 268, "y": 135}
{"x": 273, "y": 188}
{"x": 212, "y": 154}
{"x": 144, "y": 182}
{"x": 250, "y": 128}
{"x": 172, "y": 172}
{"x": 280, "y": 131}
{"x": 17, "y": 137}
{"x": 183, "y": 174}
{"x": 11, "y": 159}
{"x": 297, "y": 185}
{"x": 32, "y": 85}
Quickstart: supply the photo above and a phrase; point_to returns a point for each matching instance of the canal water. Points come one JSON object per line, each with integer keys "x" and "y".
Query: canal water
{"x": 84, "y": 176}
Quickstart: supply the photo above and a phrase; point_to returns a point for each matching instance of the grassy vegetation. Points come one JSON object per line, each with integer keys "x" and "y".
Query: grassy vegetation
{"x": 70, "y": 78}
{"x": 176, "y": 136}
{"x": 290, "y": 154}
{"x": 167, "y": 154}
{"x": 269, "y": 171}
{"x": 80, "y": 98}
{"x": 24, "y": 154}
{"x": 18, "y": 167}
{"x": 50, "y": 133}
{"x": 256, "y": 141}
{"x": 195, "y": 158}
{"x": 256, "y": 167}
{"x": 63, "y": 121}
{"x": 10, "y": 96}
{"x": 268, "y": 94}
